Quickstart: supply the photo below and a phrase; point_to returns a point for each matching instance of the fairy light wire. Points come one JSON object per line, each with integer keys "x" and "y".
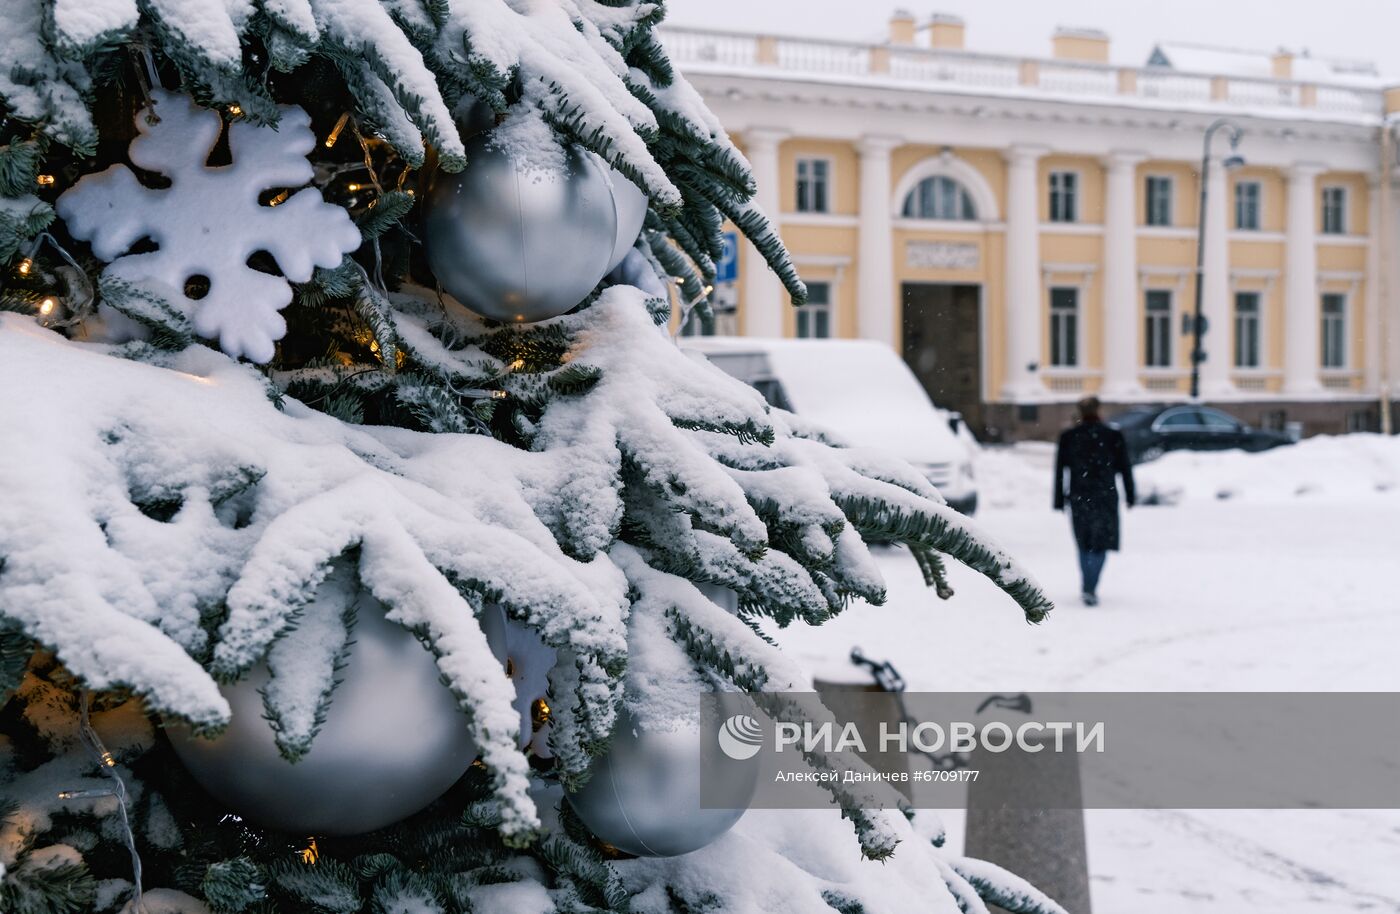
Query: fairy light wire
{"x": 108, "y": 763}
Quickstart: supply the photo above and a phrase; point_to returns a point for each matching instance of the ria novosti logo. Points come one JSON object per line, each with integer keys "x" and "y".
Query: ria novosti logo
{"x": 741, "y": 737}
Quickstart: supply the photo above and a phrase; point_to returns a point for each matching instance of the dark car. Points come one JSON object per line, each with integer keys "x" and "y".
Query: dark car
{"x": 1152, "y": 431}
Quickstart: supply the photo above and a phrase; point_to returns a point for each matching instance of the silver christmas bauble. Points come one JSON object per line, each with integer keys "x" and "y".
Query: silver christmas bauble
{"x": 516, "y": 242}
{"x": 631, "y": 205}
{"x": 643, "y": 796}
{"x": 393, "y": 741}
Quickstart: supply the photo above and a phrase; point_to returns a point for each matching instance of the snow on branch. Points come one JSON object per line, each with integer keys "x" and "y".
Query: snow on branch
{"x": 176, "y": 517}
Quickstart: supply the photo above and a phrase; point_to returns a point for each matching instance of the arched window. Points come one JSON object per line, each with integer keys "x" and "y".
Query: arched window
{"x": 939, "y": 197}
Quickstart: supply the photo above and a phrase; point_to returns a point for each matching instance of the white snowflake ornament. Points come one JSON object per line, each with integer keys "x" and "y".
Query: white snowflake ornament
{"x": 208, "y": 222}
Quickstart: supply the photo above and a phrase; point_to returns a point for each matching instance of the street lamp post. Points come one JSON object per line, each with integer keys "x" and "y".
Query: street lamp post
{"x": 1198, "y": 327}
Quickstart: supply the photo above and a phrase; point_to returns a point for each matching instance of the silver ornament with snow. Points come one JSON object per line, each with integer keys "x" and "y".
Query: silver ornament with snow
{"x": 393, "y": 739}
{"x": 516, "y": 239}
{"x": 643, "y": 795}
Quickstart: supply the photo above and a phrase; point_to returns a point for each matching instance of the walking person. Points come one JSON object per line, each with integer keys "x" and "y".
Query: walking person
{"x": 1090, "y": 457}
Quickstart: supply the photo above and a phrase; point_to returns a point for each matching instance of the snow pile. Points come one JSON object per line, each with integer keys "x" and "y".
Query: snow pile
{"x": 1019, "y": 475}
{"x": 1356, "y": 465}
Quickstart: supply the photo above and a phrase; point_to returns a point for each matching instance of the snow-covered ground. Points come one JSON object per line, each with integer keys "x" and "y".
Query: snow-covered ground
{"x": 1266, "y": 572}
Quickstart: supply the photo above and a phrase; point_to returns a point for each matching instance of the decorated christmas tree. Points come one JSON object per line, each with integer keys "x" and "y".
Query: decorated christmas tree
{"x": 357, "y": 508}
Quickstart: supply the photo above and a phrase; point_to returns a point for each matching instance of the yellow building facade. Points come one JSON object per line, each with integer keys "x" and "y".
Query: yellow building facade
{"x": 1025, "y": 231}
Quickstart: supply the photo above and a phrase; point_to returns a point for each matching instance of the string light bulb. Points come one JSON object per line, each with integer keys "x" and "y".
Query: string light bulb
{"x": 311, "y": 853}
{"x": 46, "y": 307}
{"x": 235, "y": 110}
{"x": 517, "y": 365}
{"x": 539, "y": 713}
{"x": 352, "y": 187}
{"x": 45, "y": 180}
{"x": 335, "y": 131}
{"x": 25, "y": 266}
{"x": 280, "y": 198}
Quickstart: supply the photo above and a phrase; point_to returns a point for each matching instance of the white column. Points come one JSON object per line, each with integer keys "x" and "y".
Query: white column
{"x": 1374, "y": 327}
{"x": 876, "y": 307}
{"x": 763, "y": 294}
{"x": 1024, "y": 317}
{"x": 1215, "y": 288}
{"x": 1390, "y": 298}
{"x": 1122, "y": 348}
{"x": 1301, "y": 332}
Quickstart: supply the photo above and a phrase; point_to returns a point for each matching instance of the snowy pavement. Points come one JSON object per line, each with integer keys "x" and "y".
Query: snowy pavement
{"x": 1268, "y": 572}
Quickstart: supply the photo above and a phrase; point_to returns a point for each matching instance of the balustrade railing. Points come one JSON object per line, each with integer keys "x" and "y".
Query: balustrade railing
{"x": 701, "y": 49}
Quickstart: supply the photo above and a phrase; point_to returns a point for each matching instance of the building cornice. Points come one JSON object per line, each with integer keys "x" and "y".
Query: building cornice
{"x": 821, "y": 220}
{"x": 1073, "y": 128}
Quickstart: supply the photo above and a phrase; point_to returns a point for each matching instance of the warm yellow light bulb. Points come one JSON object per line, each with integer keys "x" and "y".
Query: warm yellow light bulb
{"x": 44, "y": 180}
{"x": 25, "y": 266}
{"x": 235, "y": 110}
{"x": 335, "y": 131}
{"x": 47, "y": 305}
{"x": 352, "y": 187}
{"x": 311, "y": 853}
{"x": 517, "y": 365}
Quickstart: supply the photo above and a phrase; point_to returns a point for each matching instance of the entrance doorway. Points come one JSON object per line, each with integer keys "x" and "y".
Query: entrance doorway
{"x": 943, "y": 345}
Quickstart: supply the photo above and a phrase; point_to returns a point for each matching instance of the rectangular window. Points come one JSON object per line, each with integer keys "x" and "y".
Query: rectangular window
{"x": 1064, "y": 196}
{"x": 812, "y": 180}
{"x": 1158, "y": 332}
{"x": 1334, "y": 330}
{"x": 1064, "y": 327}
{"x": 1334, "y": 210}
{"x": 1247, "y": 205}
{"x": 1362, "y": 420}
{"x": 1246, "y": 329}
{"x": 1159, "y": 200}
{"x": 814, "y": 318}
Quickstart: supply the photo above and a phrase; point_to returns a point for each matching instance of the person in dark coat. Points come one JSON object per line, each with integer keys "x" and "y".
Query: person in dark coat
{"x": 1090, "y": 457}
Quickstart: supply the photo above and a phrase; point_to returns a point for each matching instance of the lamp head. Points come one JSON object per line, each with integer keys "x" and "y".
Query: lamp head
{"x": 1233, "y": 162}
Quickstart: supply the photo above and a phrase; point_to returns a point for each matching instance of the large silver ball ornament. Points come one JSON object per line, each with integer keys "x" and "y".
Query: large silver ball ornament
{"x": 516, "y": 242}
{"x": 643, "y": 796}
{"x": 631, "y": 205}
{"x": 393, "y": 741}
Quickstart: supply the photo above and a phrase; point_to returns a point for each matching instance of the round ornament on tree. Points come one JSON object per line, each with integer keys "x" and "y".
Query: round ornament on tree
{"x": 631, "y": 206}
{"x": 393, "y": 739}
{"x": 516, "y": 240}
{"x": 643, "y": 795}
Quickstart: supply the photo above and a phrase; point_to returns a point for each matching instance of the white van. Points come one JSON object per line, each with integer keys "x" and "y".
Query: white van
{"x": 860, "y": 390}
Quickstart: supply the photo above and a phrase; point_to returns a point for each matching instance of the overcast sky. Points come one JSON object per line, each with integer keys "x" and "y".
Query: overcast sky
{"x": 1367, "y": 29}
